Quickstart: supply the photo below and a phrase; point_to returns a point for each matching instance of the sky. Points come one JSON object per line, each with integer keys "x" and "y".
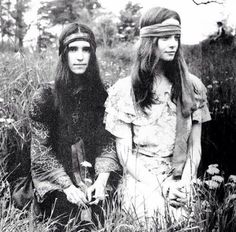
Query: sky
{"x": 198, "y": 21}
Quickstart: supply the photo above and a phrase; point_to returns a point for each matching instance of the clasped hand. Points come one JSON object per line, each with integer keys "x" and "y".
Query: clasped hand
{"x": 94, "y": 194}
{"x": 176, "y": 192}
{"x": 75, "y": 195}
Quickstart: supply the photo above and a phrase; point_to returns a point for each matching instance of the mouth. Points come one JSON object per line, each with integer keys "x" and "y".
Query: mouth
{"x": 170, "y": 53}
{"x": 79, "y": 65}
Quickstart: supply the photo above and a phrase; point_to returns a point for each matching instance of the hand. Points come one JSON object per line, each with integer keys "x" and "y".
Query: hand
{"x": 97, "y": 191}
{"x": 176, "y": 193}
{"x": 75, "y": 195}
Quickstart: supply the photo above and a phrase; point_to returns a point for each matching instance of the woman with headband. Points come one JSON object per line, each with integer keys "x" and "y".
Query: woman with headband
{"x": 67, "y": 130}
{"x": 156, "y": 116}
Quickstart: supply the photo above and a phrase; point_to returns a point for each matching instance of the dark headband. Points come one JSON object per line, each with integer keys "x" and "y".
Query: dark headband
{"x": 77, "y": 36}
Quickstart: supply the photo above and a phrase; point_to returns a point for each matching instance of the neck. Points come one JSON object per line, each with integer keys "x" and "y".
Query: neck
{"x": 78, "y": 80}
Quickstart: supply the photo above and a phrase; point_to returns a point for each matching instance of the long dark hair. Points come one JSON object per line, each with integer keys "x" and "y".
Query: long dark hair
{"x": 145, "y": 66}
{"x": 67, "y": 83}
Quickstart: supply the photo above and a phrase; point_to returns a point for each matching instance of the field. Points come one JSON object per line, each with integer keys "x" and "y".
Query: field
{"x": 214, "y": 206}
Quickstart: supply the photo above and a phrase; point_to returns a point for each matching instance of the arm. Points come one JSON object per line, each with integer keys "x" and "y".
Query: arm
{"x": 106, "y": 161}
{"x": 194, "y": 154}
{"x": 47, "y": 171}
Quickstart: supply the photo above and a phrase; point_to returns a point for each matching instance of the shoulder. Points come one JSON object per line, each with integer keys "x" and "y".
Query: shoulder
{"x": 199, "y": 87}
{"x": 122, "y": 86}
{"x": 120, "y": 96}
{"x": 42, "y": 102}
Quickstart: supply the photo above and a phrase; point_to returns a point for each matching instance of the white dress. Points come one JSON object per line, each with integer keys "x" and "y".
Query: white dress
{"x": 153, "y": 135}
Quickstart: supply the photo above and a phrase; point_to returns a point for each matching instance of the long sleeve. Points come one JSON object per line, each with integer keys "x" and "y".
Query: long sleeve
{"x": 118, "y": 116}
{"x": 106, "y": 160}
{"x": 47, "y": 171}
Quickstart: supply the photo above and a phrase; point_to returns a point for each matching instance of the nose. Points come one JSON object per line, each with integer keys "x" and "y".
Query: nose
{"x": 173, "y": 42}
{"x": 79, "y": 54}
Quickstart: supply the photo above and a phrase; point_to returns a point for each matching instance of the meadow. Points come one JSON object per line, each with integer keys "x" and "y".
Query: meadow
{"x": 214, "y": 205}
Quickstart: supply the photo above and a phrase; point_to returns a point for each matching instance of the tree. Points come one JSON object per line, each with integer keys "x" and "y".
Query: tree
{"x": 105, "y": 29}
{"x": 60, "y": 12}
{"x": 66, "y": 11}
{"x": 129, "y": 21}
{"x": 207, "y": 2}
{"x": 18, "y": 14}
{"x": 7, "y": 21}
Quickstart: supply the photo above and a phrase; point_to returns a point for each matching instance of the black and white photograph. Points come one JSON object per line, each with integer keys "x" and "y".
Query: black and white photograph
{"x": 117, "y": 116}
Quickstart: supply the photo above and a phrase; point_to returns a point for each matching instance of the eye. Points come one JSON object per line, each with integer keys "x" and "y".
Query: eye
{"x": 177, "y": 37}
{"x": 86, "y": 49}
{"x": 166, "y": 37}
{"x": 72, "y": 49}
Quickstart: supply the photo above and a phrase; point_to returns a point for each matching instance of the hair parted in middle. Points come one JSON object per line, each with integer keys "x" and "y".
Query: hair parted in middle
{"x": 67, "y": 83}
{"x": 146, "y": 61}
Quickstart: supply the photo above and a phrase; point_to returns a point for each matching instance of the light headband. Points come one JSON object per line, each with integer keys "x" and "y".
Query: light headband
{"x": 158, "y": 30}
{"x": 76, "y": 36}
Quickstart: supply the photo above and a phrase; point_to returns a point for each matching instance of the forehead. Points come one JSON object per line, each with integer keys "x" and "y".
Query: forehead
{"x": 79, "y": 43}
{"x": 170, "y": 21}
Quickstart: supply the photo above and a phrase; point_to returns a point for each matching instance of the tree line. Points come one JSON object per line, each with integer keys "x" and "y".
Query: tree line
{"x": 54, "y": 13}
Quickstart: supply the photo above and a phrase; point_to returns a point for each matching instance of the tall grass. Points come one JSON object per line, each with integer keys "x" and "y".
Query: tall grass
{"x": 213, "y": 208}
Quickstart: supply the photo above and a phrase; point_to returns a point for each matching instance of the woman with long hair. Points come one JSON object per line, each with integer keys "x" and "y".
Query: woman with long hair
{"x": 67, "y": 130}
{"x": 156, "y": 115}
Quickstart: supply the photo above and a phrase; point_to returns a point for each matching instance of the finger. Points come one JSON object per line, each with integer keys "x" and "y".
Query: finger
{"x": 82, "y": 198}
{"x": 71, "y": 199}
{"x": 175, "y": 204}
{"x": 179, "y": 194}
{"x": 79, "y": 197}
{"x": 99, "y": 196}
{"x": 89, "y": 193}
{"x": 95, "y": 202}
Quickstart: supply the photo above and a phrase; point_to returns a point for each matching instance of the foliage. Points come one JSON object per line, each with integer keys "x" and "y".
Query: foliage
{"x": 12, "y": 20}
{"x": 64, "y": 11}
{"x": 213, "y": 208}
{"x": 213, "y": 61}
{"x": 129, "y": 21}
{"x": 105, "y": 30}
{"x": 61, "y": 12}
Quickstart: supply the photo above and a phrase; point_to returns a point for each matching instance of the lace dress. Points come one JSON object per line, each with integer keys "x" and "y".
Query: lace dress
{"x": 153, "y": 135}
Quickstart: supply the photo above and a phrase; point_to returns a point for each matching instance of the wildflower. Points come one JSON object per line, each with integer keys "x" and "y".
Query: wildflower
{"x": 225, "y": 106}
{"x": 212, "y": 184}
{"x": 216, "y": 101}
{"x": 215, "y": 82}
{"x": 232, "y": 197}
{"x": 206, "y": 206}
{"x": 213, "y": 169}
{"x": 217, "y": 178}
{"x": 209, "y": 86}
{"x": 86, "y": 164}
{"x": 2, "y": 120}
{"x": 232, "y": 178}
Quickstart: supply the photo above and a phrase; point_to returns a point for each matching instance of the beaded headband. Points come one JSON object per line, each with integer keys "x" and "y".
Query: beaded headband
{"x": 158, "y": 30}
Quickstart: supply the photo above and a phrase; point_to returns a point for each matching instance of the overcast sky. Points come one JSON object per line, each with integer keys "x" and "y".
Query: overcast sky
{"x": 197, "y": 21}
